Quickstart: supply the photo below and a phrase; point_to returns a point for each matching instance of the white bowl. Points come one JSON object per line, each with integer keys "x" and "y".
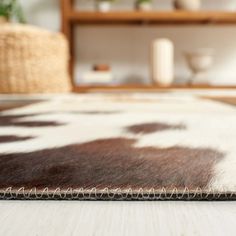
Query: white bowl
{"x": 189, "y": 5}
{"x": 200, "y": 60}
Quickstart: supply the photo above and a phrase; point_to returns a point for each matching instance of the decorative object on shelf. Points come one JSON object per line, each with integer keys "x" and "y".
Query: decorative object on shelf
{"x": 101, "y": 74}
{"x": 189, "y": 5}
{"x": 230, "y": 6}
{"x": 143, "y": 5}
{"x": 131, "y": 18}
{"x": 11, "y": 10}
{"x": 103, "y": 5}
{"x": 199, "y": 62}
{"x": 33, "y": 60}
{"x": 163, "y": 62}
{"x": 101, "y": 67}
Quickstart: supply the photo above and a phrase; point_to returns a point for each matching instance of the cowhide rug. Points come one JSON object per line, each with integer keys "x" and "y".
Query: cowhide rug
{"x": 118, "y": 147}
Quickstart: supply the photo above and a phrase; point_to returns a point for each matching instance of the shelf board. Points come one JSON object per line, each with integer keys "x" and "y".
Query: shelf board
{"x": 153, "y": 17}
{"x": 146, "y": 88}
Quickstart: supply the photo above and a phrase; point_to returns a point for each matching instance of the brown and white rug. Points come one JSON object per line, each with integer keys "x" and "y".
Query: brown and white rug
{"x": 166, "y": 146}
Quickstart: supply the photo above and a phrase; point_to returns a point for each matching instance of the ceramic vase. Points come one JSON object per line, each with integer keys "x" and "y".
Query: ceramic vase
{"x": 163, "y": 62}
{"x": 188, "y": 5}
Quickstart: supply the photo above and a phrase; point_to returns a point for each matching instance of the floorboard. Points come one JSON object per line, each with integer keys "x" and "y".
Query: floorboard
{"x": 117, "y": 218}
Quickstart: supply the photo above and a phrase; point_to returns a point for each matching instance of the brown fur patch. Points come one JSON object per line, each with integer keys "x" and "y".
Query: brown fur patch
{"x": 11, "y": 120}
{"x": 147, "y": 128}
{"x": 13, "y": 138}
{"x": 112, "y": 163}
{"x": 227, "y": 100}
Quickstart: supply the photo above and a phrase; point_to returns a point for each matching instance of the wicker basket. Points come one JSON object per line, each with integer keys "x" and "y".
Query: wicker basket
{"x": 32, "y": 60}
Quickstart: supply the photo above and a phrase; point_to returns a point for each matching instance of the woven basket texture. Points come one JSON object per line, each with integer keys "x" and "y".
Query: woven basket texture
{"x": 33, "y": 60}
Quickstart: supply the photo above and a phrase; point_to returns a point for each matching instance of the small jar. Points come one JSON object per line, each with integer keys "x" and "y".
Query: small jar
{"x": 144, "y": 6}
{"x": 188, "y": 5}
{"x": 103, "y": 6}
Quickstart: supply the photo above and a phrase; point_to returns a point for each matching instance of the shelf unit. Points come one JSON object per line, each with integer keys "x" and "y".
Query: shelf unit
{"x": 146, "y": 88}
{"x": 152, "y": 17}
{"x": 72, "y": 17}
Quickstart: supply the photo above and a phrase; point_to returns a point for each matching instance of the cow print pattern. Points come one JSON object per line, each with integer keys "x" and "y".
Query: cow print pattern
{"x": 105, "y": 163}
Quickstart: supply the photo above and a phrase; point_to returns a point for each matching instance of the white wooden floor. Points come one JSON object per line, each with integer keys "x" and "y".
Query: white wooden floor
{"x": 117, "y": 218}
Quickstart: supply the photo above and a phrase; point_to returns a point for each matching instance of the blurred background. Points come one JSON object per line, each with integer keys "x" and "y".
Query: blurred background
{"x": 127, "y": 49}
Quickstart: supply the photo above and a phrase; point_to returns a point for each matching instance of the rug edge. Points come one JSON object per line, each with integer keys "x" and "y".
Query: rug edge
{"x": 117, "y": 194}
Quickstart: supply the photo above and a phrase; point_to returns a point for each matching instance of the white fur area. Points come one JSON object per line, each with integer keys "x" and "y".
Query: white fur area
{"x": 209, "y": 124}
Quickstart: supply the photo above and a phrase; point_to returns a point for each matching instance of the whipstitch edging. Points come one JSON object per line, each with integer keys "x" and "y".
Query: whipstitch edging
{"x": 114, "y": 194}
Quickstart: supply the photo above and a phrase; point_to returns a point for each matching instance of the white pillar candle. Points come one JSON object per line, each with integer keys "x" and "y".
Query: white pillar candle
{"x": 163, "y": 62}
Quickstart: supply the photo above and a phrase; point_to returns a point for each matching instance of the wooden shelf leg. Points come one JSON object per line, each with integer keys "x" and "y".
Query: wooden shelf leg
{"x": 68, "y": 30}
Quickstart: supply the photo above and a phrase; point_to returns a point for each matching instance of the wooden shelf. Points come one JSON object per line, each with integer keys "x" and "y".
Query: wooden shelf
{"x": 146, "y": 88}
{"x": 70, "y": 17}
{"x": 153, "y": 17}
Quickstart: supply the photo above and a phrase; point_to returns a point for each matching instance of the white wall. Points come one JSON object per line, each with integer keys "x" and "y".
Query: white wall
{"x": 127, "y": 48}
